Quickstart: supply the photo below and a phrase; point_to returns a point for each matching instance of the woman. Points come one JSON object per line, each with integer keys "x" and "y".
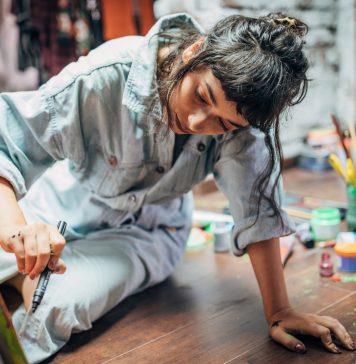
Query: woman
{"x": 135, "y": 125}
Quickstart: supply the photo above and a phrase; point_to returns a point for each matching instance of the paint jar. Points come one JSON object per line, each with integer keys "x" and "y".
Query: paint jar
{"x": 347, "y": 256}
{"x": 351, "y": 208}
{"x": 326, "y": 266}
{"x": 325, "y": 223}
{"x": 222, "y": 236}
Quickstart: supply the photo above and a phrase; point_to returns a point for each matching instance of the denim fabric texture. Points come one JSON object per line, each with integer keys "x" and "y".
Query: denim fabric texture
{"x": 90, "y": 145}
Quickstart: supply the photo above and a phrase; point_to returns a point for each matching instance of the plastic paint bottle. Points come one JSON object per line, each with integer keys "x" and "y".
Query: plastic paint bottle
{"x": 347, "y": 256}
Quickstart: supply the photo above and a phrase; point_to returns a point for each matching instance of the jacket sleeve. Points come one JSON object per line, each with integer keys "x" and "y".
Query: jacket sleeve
{"x": 241, "y": 160}
{"x": 57, "y": 121}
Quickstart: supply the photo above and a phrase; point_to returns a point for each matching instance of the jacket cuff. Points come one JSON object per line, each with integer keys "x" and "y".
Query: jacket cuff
{"x": 266, "y": 227}
{"x": 13, "y": 175}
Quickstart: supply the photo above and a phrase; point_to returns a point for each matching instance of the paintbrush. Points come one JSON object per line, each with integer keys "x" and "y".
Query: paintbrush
{"x": 353, "y": 137}
{"x": 350, "y": 170}
{"x": 336, "y": 164}
{"x": 340, "y": 134}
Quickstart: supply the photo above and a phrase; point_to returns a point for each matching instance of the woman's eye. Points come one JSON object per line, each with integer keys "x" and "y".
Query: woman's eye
{"x": 199, "y": 97}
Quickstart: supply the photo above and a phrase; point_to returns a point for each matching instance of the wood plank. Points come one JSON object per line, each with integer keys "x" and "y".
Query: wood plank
{"x": 321, "y": 185}
{"x": 195, "y": 309}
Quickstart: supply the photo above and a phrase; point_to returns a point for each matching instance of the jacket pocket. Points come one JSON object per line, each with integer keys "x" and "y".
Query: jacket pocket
{"x": 107, "y": 176}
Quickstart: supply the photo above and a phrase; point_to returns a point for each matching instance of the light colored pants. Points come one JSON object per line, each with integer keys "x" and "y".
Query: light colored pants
{"x": 102, "y": 269}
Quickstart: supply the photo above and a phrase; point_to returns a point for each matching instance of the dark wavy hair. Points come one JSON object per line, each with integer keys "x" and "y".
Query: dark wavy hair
{"x": 261, "y": 66}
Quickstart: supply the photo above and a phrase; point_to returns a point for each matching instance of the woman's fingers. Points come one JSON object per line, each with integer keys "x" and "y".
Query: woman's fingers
{"x": 43, "y": 251}
{"x": 30, "y": 246}
{"x": 60, "y": 267}
{"x": 56, "y": 246}
{"x": 323, "y": 333}
{"x": 5, "y": 245}
{"x": 289, "y": 341}
{"x": 57, "y": 241}
{"x": 338, "y": 329}
{"x": 321, "y": 327}
{"x": 15, "y": 244}
{"x": 35, "y": 246}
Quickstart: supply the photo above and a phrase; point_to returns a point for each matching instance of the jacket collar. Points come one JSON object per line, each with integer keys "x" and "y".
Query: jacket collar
{"x": 141, "y": 91}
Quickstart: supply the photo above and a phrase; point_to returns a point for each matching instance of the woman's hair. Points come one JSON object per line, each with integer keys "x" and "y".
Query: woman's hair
{"x": 261, "y": 66}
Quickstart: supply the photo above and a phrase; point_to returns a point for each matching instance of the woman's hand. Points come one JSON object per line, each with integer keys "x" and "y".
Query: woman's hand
{"x": 35, "y": 246}
{"x": 283, "y": 324}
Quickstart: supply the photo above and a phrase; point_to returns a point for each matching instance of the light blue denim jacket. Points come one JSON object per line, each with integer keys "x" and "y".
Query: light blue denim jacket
{"x": 102, "y": 118}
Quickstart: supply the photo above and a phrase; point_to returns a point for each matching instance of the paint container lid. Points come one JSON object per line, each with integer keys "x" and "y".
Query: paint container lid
{"x": 326, "y": 216}
{"x": 346, "y": 249}
{"x": 221, "y": 227}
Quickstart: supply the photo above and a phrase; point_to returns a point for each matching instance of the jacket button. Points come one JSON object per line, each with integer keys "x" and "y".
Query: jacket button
{"x": 201, "y": 147}
{"x": 112, "y": 161}
{"x": 160, "y": 169}
{"x": 132, "y": 198}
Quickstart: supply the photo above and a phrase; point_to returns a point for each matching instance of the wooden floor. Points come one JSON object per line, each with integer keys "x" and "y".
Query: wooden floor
{"x": 210, "y": 310}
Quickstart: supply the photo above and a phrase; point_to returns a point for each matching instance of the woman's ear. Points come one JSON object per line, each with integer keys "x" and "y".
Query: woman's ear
{"x": 190, "y": 51}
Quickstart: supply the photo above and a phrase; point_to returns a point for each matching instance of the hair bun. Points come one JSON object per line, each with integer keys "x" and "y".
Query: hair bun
{"x": 294, "y": 25}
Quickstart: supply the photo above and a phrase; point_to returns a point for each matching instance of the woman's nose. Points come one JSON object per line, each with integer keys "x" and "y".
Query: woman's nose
{"x": 196, "y": 119}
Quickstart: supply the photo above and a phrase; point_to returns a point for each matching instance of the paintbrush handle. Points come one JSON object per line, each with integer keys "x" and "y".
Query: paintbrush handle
{"x": 340, "y": 134}
{"x": 335, "y": 163}
{"x": 350, "y": 172}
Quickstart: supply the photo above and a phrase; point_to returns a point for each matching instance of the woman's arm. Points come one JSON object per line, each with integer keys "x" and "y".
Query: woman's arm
{"x": 266, "y": 262}
{"x": 282, "y": 320}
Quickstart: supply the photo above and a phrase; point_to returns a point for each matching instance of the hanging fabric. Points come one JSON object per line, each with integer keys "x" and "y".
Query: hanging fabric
{"x": 55, "y": 52}
{"x": 18, "y": 57}
{"x": 68, "y": 29}
{"x": 93, "y": 7}
{"x": 29, "y": 43}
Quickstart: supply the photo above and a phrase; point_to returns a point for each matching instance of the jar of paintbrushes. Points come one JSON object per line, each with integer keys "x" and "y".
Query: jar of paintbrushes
{"x": 345, "y": 167}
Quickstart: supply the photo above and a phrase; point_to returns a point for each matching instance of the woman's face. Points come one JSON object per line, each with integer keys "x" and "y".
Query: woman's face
{"x": 198, "y": 106}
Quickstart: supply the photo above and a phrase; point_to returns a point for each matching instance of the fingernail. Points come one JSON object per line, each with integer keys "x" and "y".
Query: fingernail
{"x": 300, "y": 348}
{"x": 336, "y": 349}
